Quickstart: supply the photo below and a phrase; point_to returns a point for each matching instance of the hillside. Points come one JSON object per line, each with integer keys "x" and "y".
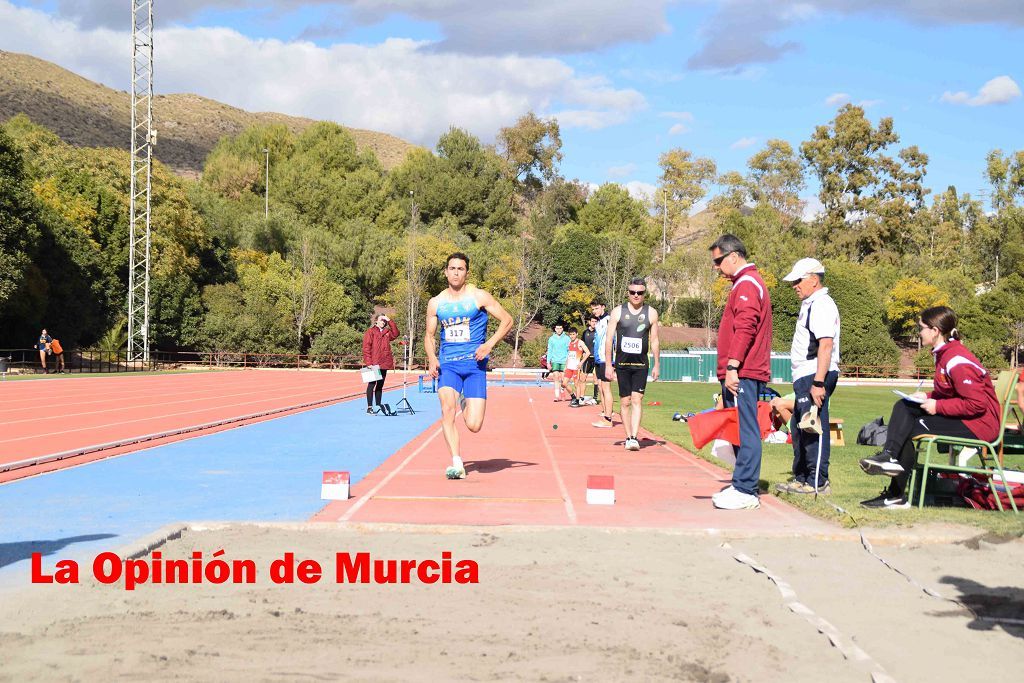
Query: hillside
{"x": 88, "y": 114}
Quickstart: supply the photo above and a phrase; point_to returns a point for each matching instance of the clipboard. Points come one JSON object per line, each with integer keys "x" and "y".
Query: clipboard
{"x": 908, "y": 397}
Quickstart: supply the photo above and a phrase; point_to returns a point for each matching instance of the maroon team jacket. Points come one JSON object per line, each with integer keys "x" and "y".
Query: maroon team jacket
{"x": 377, "y": 346}
{"x": 746, "y": 328}
{"x": 963, "y": 390}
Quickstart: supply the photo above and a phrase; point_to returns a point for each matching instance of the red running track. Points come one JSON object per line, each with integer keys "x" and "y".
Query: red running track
{"x": 68, "y": 414}
{"x": 524, "y": 471}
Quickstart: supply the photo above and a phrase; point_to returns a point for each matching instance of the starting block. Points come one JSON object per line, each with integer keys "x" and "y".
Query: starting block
{"x": 600, "y": 489}
{"x": 335, "y": 486}
{"x": 432, "y": 389}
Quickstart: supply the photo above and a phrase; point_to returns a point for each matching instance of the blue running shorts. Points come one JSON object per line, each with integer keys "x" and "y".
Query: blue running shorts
{"x": 467, "y": 377}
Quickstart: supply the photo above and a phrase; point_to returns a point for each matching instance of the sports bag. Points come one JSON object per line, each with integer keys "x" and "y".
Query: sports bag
{"x": 873, "y": 433}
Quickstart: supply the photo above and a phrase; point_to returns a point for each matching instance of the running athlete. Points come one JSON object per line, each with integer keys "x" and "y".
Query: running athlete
{"x": 558, "y": 353}
{"x": 578, "y": 355}
{"x": 601, "y": 363}
{"x": 636, "y": 331}
{"x": 461, "y": 311}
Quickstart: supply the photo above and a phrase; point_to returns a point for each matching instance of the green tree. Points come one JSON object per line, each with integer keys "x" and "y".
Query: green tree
{"x": 776, "y": 178}
{"x": 685, "y": 181}
{"x": 19, "y": 232}
{"x": 531, "y": 149}
{"x": 908, "y": 297}
{"x": 611, "y": 209}
{"x": 870, "y": 198}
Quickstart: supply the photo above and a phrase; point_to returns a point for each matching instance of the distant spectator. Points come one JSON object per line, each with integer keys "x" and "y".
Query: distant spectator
{"x": 58, "y": 355}
{"x": 377, "y": 354}
{"x": 43, "y": 345}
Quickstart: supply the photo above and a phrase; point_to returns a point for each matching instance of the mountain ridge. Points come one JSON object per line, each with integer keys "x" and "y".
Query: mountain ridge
{"x": 88, "y": 114}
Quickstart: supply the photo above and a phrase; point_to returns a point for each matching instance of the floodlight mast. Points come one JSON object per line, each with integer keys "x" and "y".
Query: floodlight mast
{"x": 140, "y": 198}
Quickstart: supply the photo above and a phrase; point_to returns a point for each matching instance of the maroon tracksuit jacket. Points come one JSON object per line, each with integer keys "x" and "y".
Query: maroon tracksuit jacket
{"x": 745, "y": 332}
{"x": 377, "y": 346}
{"x": 963, "y": 390}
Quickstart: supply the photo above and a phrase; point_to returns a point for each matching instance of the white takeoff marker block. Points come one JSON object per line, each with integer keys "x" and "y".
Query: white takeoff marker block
{"x": 335, "y": 486}
{"x": 600, "y": 490}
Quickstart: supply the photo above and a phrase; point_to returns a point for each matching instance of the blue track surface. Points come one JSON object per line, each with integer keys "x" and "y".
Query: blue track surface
{"x": 269, "y": 471}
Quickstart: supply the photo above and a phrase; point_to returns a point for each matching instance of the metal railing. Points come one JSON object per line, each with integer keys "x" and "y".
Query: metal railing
{"x": 85, "y": 361}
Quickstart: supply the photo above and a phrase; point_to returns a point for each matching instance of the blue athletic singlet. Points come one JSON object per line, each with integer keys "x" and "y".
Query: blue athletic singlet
{"x": 463, "y": 328}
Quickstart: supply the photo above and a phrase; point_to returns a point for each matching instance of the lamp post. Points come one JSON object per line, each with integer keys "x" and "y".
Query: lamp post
{"x": 664, "y": 226}
{"x": 266, "y": 186}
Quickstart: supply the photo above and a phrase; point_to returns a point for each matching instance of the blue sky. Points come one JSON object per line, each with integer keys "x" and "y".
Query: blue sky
{"x": 722, "y": 75}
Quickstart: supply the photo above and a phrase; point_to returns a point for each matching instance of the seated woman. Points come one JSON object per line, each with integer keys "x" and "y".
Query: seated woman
{"x": 962, "y": 404}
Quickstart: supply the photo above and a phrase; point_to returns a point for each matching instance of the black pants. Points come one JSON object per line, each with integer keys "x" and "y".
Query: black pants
{"x": 907, "y": 421}
{"x": 374, "y": 390}
{"x": 805, "y": 446}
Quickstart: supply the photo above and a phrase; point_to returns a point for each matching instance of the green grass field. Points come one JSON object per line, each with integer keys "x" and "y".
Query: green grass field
{"x": 856, "y": 406}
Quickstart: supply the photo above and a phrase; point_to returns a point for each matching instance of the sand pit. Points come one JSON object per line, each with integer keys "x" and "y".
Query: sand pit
{"x": 565, "y": 604}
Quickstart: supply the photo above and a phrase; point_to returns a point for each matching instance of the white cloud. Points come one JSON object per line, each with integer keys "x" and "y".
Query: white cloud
{"x": 683, "y": 117}
{"x": 837, "y": 99}
{"x": 999, "y": 90}
{"x": 743, "y": 143}
{"x": 532, "y": 27}
{"x": 744, "y": 32}
{"x": 621, "y": 171}
{"x": 640, "y": 190}
{"x": 398, "y": 86}
{"x": 812, "y": 208}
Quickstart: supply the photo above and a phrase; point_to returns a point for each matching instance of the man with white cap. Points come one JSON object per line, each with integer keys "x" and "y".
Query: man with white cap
{"x": 815, "y": 359}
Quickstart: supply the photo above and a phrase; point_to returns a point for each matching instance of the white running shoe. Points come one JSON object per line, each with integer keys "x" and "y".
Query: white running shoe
{"x": 455, "y": 472}
{"x": 732, "y": 499}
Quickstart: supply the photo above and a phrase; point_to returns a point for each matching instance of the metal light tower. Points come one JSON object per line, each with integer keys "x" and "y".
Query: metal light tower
{"x": 143, "y": 139}
{"x": 266, "y": 187}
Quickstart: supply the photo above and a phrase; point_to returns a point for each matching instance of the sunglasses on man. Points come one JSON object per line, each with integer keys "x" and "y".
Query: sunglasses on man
{"x": 637, "y": 292}
{"x": 718, "y": 261}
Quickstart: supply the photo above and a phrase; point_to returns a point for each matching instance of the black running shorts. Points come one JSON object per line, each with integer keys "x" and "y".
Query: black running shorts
{"x": 632, "y": 380}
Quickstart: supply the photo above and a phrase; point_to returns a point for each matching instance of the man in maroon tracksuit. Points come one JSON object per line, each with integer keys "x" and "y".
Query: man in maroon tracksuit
{"x": 744, "y": 364}
{"x": 377, "y": 352}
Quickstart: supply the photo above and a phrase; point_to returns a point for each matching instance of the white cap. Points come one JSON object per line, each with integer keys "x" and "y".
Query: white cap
{"x": 803, "y": 268}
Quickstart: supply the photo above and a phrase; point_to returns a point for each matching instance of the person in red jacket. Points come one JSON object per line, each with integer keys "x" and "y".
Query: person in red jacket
{"x": 744, "y": 364}
{"x": 962, "y": 403}
{"x": 377, "y": 353}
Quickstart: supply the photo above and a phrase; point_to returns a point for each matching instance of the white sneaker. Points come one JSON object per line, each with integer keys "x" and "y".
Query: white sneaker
{"x": 455, "y": 472}
{"x": 732, "y": 499}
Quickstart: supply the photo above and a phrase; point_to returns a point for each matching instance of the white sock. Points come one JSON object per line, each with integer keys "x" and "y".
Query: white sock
{"x": 457, "y": 462}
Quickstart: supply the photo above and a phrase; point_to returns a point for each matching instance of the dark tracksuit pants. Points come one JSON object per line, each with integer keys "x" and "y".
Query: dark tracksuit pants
{"x": 908, "y": 420}
{"x": 805, "y": 444}
{"x": 374, "y": 390}
{"x": 747, "y": 471}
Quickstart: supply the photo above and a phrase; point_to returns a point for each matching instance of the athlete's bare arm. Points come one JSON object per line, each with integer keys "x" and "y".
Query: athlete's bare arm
{"x": 655, "y": 346}
{"x": 429, "y": 343}
{"x": 491, "y": 305}
{"x": 613, "y": 324}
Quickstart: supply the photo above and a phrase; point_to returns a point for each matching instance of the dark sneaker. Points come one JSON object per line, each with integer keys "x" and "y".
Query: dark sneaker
{"x": 886, "y": 501}
{"x": 881, "y": 463}
{"x": 369, "y": 410}
{"x": 575, "y": 403}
